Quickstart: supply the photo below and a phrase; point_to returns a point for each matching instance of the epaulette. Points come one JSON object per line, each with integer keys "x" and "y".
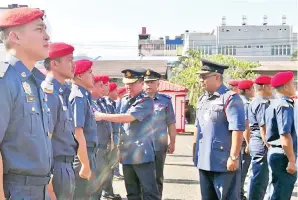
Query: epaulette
{"x": 231, "y": 93}
{"x": 144, "y": 98}
{"x": 265, "y": 101}
{"x": 3, "y": 68}
{"x": 47, "y": 87}
{"x": 165, "y": 95}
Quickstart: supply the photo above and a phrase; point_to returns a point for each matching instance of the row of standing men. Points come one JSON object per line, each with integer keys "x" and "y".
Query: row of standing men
{"x": 61, "y": 141}
{"x": 234, "y": 131}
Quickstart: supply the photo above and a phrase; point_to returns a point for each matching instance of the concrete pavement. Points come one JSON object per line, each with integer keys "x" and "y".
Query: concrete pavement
{"x": 181, "y": 177}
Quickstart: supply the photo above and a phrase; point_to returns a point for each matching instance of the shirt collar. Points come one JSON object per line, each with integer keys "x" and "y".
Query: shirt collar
{"x": 244, "y": 98}
{"x": 220, "y": 90}
{"x": 19, "y": 67}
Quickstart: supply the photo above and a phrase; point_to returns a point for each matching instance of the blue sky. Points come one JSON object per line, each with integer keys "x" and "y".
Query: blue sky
{"x": 111, "y": 27}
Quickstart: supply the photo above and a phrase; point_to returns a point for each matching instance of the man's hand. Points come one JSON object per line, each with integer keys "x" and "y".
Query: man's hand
{"x": 232, "y": 165}
{"x": 171, "y": 148}
{"x": 291, "y": 168}
{"x": 246, "y": 149}
{"x": 85, "y": 172}
{"x": 98, "y": 116}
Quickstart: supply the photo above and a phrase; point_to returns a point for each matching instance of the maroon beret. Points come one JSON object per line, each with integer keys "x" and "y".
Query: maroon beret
{"x": 263, "y": 80}
{"x": 19, "y": 16}
{"x": 60, "y": 49}
{"x": 233, "y": 83}
{"x": 82, "y": 66}
{"x": 112, "y": 86}
{"x": 121, "y": 90}
{"x": 245, "y": 84}
{"x": 281, "y": 78}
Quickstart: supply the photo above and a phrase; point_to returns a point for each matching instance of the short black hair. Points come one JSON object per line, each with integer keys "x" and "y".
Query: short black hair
{"x": 47, "y": 63}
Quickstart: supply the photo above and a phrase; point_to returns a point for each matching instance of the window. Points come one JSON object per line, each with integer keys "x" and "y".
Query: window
{"x": 261, "y": 46}
{"x": 248, "y": 46}
{"x": 288, "y": 50}
{"x": 227, "y": 50}
{"x": 281, "y": 50}
{"x": 258, "y": 46}
{"x": 245, "y": 46}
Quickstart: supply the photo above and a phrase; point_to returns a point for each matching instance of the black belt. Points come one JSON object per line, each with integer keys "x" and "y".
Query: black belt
{"x": 275, "y": 146}
{"x": 66, "y": 159}
{"x": 26, "y": 180}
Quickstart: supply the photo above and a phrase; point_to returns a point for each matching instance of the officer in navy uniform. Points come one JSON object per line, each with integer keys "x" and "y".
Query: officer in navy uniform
{"x": 60, "y": 67}
{"x": 246, "y": 91}
{"x": 233, "y": 85}
{"x": 136, "y": 145}
{"x": 104, "y": 134}
{"x": 26, "y": 151}
{"x": 282, "y": 138}
{"x": 258, "y": 146}
{"x": 164, "y": 121}
{"x": 221, "y": 122}
{"x": 85, "y": 129}
{"x": 110, "y": 98}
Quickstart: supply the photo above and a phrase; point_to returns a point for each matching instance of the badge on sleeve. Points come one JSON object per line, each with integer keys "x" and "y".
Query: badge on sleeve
{"x": 27, "y": 88}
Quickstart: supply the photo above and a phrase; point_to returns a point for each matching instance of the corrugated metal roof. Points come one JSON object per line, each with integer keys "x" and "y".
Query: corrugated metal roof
{"x": 166, "y": 86}
{"x": 278, "y": 66}
{"x": 113, "y": 68}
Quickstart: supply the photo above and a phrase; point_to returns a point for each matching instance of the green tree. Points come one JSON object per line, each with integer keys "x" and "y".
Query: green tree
{"x": 295, "y": 55}
{"x": 184, "y": 72}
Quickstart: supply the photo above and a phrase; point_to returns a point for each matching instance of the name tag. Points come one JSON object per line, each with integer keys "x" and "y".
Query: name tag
{"x": 30, "y": 98}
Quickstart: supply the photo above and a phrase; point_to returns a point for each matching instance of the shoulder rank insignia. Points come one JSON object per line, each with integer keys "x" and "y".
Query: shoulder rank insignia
{"x": 47, "y": 87}
{"x": 3, "y": 68}
{"x": 285, "y": 105}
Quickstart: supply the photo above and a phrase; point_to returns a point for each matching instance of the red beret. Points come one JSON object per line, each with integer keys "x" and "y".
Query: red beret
{"x": 245, "y": 84}
{"x": 60, "y": 49}
{"x": 112, "y": 86}
{"x": 105, "y": 79}
{"x": 97, "y": 78}
{"x": 281, "y": 78}
{"x": 121, "y": 90}
{"x": 233, "y": 83}
{"x": 19, "y": 16}
{"x": 82, "y": 66}
{"x": 263, "y": 80}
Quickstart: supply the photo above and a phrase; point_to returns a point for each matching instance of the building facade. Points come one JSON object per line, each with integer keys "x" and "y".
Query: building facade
{"x": 263, "y": 42}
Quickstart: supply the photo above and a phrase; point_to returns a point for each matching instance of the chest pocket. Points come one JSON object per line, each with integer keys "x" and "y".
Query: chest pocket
{"x": 160, "y": 110}
{"x": 65, "y": 119}
{"x": 32, "y": 119}
{"x": 217, "y": 112}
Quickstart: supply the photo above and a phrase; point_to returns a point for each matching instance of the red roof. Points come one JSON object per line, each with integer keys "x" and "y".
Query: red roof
{"x": 166, "y": 86}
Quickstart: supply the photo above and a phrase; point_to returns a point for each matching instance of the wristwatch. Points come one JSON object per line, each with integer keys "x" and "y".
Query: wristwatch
{"x": 233, "y": 158}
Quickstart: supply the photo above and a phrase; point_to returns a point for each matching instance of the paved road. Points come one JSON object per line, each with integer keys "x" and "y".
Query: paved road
{"x": 181, "y": 177}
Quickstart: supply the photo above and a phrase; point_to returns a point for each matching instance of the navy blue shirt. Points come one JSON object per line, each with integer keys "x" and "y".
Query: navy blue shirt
{"x": 81, "y": 103}
{"x": 280, "y": 121}
{"x": 256, "y": 115}
{"x": 24, "y": 122}
{"x": 63, "y": 140}
{"x": 104, "y": 128}
{"x": 136, "y": 145}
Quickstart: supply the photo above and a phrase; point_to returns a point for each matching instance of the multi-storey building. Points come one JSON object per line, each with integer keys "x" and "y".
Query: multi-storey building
{"x": 262, "y": 42}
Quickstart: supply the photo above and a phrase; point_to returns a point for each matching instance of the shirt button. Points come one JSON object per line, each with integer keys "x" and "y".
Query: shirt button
{"x": 33, "y": 109}
{"x": 42, "y": 110}
{"x": 49, "y": 109}
{"x": 221, "y": 148}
